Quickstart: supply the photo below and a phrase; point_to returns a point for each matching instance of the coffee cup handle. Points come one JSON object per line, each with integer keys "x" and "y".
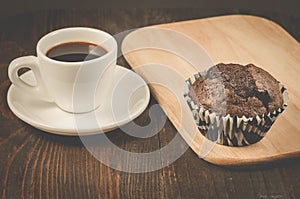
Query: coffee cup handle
{"x": 31, "y": 63}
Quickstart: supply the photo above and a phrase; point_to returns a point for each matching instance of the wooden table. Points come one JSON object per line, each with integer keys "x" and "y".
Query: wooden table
{"x": 35, "y": 164}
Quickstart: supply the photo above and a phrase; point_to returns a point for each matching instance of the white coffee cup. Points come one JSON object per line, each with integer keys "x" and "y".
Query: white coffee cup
{"x": 75, "y": 87}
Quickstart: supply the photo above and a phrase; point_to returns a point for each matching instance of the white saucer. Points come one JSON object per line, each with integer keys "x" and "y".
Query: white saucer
{"x": 129, "y": 98}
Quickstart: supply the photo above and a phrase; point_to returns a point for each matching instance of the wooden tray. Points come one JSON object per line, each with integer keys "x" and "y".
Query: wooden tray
{"x": 168, "y": 54}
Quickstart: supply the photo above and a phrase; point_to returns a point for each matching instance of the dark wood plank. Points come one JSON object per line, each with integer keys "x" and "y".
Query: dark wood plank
{"x": 199, "y": 179}
{"x": 35, "y": 164}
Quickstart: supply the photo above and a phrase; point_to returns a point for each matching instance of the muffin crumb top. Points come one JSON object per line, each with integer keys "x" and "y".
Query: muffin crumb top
{"x": 237, "y": 90}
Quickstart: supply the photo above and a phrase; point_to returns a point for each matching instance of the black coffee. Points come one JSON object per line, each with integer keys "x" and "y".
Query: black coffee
{"x": 76, "y": 52}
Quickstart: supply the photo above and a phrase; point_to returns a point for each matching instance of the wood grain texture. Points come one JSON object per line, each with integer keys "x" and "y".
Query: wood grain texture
{"x": 34, "y": 164}
{"x": 175, "y": 52}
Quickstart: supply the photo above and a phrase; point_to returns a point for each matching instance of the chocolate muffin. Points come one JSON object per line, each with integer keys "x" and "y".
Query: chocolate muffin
{"x": 235, "y": 105}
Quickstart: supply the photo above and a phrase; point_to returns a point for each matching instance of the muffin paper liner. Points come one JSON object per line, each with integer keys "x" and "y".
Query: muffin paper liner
{"x": 231, "y": 131}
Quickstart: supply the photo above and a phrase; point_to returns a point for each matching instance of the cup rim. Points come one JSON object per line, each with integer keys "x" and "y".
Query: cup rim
{"x": 43, "y": 55}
